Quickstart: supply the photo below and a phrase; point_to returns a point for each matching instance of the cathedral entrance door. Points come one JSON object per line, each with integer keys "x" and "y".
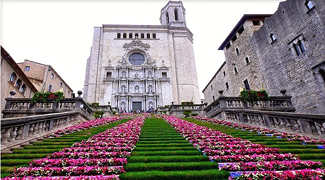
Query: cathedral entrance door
{"x": 137, "y": 106}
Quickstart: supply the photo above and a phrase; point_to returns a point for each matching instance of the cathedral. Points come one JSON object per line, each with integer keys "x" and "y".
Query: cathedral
{"x": 142, "y": 67}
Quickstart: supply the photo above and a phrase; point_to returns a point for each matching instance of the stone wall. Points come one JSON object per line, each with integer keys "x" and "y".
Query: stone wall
{"x": 282, "y": 67}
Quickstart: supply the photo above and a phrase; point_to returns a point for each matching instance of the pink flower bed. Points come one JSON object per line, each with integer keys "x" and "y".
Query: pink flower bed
{"x": 83, "y": 126}
{"x": 289, "y": 136}
{"x": 103, "y": 154}
{"x": 97, "y": 177}
{"x": 236, "y": 154}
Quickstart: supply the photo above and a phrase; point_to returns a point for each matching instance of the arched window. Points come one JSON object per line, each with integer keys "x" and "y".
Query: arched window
{"x": 13, "y": 77}
{"x": 18, "y": 83}
{"x": 167, "y": 18}
{"x": 176, "y": 14}
{"x": 123, "y": 88}
{"x": 22, "y": 88}
{"x": 136, "y": 59}
{"x": 50, "y": 88}
{"x": 136, "y": 88}
{"x": 123, "y": 74}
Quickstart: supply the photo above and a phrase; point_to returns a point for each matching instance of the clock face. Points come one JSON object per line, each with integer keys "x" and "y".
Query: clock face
{"x": 136, "y": 59}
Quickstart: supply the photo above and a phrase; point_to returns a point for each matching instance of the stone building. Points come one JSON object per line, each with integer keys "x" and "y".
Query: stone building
{"x": 141, "y": 67}
{"x": 44, "y": 77}
{"x": 290, "y": 47}
{"x": 13, "y": 79}
{"x": 280, "y": 51}
{"x": 242, "y": 66}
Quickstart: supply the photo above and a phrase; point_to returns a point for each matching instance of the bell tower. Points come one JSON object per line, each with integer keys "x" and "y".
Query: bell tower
{"x": 173, "y": 14}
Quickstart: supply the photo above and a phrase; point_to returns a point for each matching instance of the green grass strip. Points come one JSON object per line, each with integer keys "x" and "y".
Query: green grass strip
{"x": 14, "y": 162}
{"x": 170, "y": 166}
{"x": 150, "y": 159}
{"x": 211, "y": 174}
{"x": 162, "y": 148}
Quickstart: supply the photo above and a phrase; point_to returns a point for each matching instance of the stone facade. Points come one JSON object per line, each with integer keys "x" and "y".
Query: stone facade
{"x": 44, "y": 77}
{"x": 141, "y": 67}
{"x": 242, "y": 64}
{"x": 285, "y": 51}
{"x": 302, "y": 74}
{"x": 13, "y": 79}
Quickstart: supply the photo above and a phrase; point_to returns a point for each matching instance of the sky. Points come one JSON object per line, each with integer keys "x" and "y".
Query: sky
{"x": 60, "y": 33}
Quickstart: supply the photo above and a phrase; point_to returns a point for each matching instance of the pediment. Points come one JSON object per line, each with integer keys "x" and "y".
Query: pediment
{"x": 136, "y": 43}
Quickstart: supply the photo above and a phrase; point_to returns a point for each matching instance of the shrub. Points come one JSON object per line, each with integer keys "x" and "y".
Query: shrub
{"x": 98, "y": 114}
{"x": 187, "y": 113}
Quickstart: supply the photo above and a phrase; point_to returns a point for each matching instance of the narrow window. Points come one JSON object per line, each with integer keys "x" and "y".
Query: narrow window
{"x": 52, "y": 76}
{"x": 109, "y": 74}
{"x": 142, "y": 35}
{"x": 164, "y": 74}
{"x": 299, "y": 47}
{"x": 118, "y": 35}
{"x": 176, "y": 14}
{"x": 124, "y": 35}
{"x": 272, "y": 36}
{"x": 241, "y": 29}
{"x": 213, "y": 98}
{"x": 246, "y": 85}
{"x": 227, "y": 86}
{"x": 211, "y": 87}
{"x": 130, "y": 35}
{"x": 136, "y": 35}
{"x": 68, "y": 92}
{"x": 148, "y": 36}
{"x": 256, "y": 23}
{"x": 167, "y": 18}
{"x": 236, "y": 71}
{"x": 22, "y": 88}
{"x": 237, "y": 51}
{"x": 12, "y": 78}
{"x": 224, "y": 73}
{"x": 309, "y": 4}
{"x": 50, "y": 88}
{"x": 154, "y": 36}
{"x": 234, "y": 38}
{"x": 149, "y": 88}
{"x": 228, "y": 45}
{"x": 247, "y": 61}
{"x": 322, "y": 73}
{"x": 61, "y": 84}
{"x": 18, "y": 83}
{"x": 27, "y": 68}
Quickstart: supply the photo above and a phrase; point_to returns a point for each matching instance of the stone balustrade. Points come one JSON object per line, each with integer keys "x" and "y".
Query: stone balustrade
{"x": 19, "y": 107}
{"x": 177, "y": 110}
{"x": 19, "y": 130}
{"x": 276, "y": 113}
{"x": 275, "y": 103}
{"x": 307, "y": 124}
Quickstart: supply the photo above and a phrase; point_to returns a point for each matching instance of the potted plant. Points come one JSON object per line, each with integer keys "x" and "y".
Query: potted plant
{"x": 44, "y": 96}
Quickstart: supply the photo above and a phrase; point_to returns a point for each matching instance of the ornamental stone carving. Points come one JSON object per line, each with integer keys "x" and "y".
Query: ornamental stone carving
{"x": 136, "y": 43}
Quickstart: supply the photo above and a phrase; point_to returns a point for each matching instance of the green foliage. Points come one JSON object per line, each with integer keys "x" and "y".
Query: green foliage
{"x": 187, "y": 113}
{"x": 43, "y": 96}
{"x": 114, "y": 112}
{"x": 251, "y": 95}
{"x": 164, "y": 112}
{"x": 194, "y": 114}
{"x": 98, "y": 114}
{"x": 189, "y": 103}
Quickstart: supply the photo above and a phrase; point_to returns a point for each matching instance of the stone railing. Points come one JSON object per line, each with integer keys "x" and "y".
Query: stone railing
{"x": 19, "y": 107}
{"x": 275, "y": 103}
{"x": 19, "y": 131}
{"x": 177, "y": 110}
{"x": 307, "y": 124}
{"x": 276, "y": 113}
